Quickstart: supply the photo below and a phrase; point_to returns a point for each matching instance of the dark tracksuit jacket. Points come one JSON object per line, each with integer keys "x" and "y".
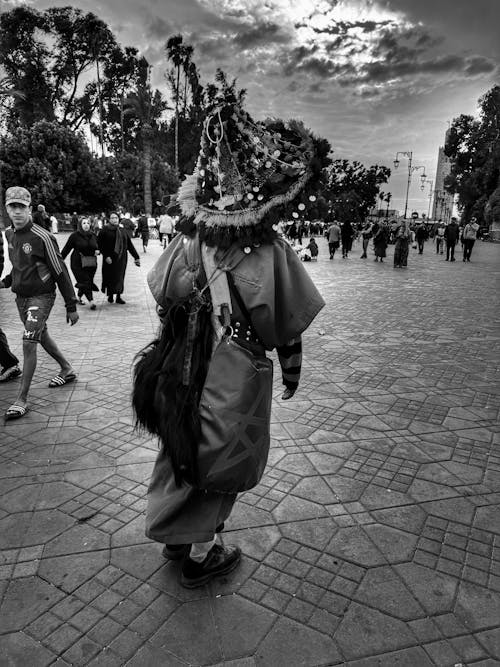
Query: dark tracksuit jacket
{"x": 37, "y": 265}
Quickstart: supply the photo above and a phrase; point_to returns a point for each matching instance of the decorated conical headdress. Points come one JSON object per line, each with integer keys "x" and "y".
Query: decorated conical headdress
{"x": 246, "y": 173}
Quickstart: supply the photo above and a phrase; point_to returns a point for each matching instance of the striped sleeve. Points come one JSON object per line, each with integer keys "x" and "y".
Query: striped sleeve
{"x": 290, "y": 358}
{"x": 56, "y": 266}
{"x": 52, "y": 255}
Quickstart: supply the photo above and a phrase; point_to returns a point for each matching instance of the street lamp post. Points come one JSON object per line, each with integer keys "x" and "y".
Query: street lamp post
{"x": 388, "y": 198}
{"x": 409, "y": 155}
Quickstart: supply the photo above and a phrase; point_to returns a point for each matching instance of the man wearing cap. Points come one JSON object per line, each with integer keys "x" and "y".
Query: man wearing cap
{"x": 37, "y": 267}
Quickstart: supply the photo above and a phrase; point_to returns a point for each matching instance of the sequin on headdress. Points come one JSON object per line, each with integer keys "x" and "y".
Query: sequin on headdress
{"x": 245, "y": 169}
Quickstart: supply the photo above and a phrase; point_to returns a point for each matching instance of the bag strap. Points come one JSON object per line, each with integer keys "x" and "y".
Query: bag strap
{"x": 236, "y": 293}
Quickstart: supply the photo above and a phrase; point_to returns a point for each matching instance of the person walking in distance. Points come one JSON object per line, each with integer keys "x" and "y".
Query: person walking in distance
{"x": 143, "y": 230}
{"x": 83, "y": 247}
{"x": 166, "y": 226}
{"x": 402, "y": 234}
{"x": 9, "y": 363}
{"x": 347, "y": 235}
{"x": 380, "y": 241}
{"x": 440, "y": 238}
{"x": 451, "y": 234}
{"x": 333, "y": 236}
{"x": 366, "y": 234}
{"x": 114, "y": 244}
{"x": 421, "y": 237}
{"x": 470, "y": 236}
{"x": 42, "y": 218}
{"x": 37, "y": 267}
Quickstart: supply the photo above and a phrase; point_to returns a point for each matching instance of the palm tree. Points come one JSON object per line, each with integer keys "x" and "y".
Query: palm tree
{"x": 175, "y": 52}
{"x": 186, "y": 67}
{"x": 147, "y": 106}
{"x": 100, "y": 43}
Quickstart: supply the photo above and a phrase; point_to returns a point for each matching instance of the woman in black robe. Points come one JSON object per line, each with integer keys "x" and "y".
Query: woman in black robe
{"x": 83, "y": 262}
{"x": 114, "y": 243}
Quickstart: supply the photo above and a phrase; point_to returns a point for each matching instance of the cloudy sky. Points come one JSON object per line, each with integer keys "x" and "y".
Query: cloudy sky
{"x": 373, "y": 76}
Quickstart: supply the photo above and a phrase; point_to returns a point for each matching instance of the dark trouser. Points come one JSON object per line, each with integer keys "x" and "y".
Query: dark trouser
{"x": 439, "y": 245}
{"x": 145, "y": 238}
{"x": 420, "y": 247}
{"x": 468, "y": 245}
{"x": 365, "y": 246}
{"x": 450, "y": 250}
{"x": 7, "y": 359}
{"x": 333, "y": 247}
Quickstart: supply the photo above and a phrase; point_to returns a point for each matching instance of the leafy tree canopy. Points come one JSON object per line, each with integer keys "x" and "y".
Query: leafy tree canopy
{"x": 54, "y": 163}
{"x": 353, "y": 188}
{"x": 473, "y": 146}
{"x": 45, "y": 54}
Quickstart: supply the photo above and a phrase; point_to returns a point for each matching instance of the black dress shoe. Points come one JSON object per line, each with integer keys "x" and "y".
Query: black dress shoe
{"x": 119, "y": 300}
{"x": 110, "y": 299}
{"x": 219, "y": 561}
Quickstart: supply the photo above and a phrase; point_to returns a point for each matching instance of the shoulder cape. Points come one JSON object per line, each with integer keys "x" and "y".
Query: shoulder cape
{"x": 279, "y": 294}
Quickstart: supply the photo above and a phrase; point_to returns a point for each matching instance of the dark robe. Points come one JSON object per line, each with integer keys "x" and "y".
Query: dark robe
{"x": 282, "y": 302}
{"x": 82, "y": 243}
{"x": 114, "y": 242}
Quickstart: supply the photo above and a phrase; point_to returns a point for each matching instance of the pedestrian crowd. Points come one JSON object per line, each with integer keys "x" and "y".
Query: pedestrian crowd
{"x": 382, "y": 233}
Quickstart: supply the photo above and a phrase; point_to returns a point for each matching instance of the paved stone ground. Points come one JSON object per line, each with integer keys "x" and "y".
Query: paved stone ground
{"x": 373, "y": 539}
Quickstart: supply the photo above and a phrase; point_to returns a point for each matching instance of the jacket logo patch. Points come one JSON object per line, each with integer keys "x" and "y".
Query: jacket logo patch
{"x": 27, "y": 248}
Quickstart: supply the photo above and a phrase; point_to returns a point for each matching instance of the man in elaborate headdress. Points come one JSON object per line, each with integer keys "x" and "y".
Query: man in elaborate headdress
{"x": 227, "y": 284}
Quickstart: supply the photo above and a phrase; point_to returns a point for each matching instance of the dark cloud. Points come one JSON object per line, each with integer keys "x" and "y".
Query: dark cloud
{"x": 479, "y": 65}
{"x": 260, "y": 34}
{"x": 316, "y": 87}
{"x": 215, "y": 47}
{"x": 403, "y": 44}
{"x": 295, "y": 57}
{"x": 159, "y": 28}
{"x": 380, "y": 72}
{"x": 320, "y": 67}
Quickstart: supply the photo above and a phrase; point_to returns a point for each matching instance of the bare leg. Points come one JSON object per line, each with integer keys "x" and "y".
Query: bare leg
{"x": 29, "y": 366}
{"x": 51, "y": 348}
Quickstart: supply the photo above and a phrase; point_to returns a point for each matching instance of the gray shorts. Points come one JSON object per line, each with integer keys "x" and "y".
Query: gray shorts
{"x": 34, "y": 312}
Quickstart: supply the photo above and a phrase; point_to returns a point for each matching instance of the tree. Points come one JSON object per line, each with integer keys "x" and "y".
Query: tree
{"x": 55, "y": 164}
{"x": 473, "y": 146}
{"x": 353, "y": 189}
{"x": 147, "y": 106}
{"x": 47, "y": 54}
{"x": 124, "y": 71}
{"x": 24, "y": 56}
{"x": 175, "y": 52}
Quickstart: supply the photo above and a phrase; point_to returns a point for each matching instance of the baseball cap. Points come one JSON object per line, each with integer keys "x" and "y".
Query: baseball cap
{"x": 17, "y": 195}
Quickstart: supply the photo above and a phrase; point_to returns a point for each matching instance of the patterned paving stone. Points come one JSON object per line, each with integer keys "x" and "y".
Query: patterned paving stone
{"x": 372, "y": 539}
{"x": 365, "y": 631}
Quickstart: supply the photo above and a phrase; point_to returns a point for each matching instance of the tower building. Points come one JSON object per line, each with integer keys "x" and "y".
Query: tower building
{"x": 442, "y": 206}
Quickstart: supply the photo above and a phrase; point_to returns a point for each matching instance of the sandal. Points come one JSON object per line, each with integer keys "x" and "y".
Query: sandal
{"x": 59, "y": 380}
{"x": 15, "y": 412}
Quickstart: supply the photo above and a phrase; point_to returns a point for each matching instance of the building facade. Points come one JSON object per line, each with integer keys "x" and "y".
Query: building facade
{"x": 442, "y": 207}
